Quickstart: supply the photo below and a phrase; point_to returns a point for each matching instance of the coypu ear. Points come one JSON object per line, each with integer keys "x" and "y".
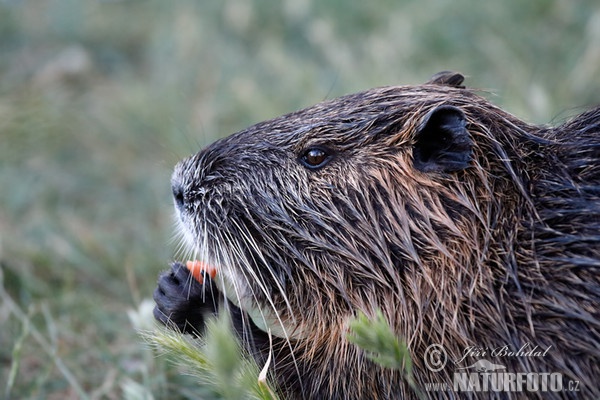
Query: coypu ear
{"x": 443, "y": 142}
{"x": 447, "y": 78}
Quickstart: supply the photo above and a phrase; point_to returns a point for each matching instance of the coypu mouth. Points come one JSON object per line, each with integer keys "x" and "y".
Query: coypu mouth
{"x": 263, "y": 317}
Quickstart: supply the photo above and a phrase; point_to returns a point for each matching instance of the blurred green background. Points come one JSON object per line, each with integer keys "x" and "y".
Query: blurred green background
{"x": 99, "y": 99}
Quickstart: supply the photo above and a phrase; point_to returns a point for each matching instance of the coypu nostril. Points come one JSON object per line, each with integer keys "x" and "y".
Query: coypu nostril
{"x": 178, "y": 196}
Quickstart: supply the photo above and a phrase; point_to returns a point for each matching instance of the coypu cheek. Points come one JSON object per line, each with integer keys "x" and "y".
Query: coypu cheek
{"x": 443, "y": 143}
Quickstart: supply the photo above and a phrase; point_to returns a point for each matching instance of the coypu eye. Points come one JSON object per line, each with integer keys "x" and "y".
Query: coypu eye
{"x": 315, "y": 158}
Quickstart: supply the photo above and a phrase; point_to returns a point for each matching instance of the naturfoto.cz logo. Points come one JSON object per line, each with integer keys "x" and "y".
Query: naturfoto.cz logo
{"x": 483, "y": 375}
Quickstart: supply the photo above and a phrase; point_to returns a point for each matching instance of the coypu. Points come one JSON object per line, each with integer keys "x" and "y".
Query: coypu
{"x": 464, "y": 225}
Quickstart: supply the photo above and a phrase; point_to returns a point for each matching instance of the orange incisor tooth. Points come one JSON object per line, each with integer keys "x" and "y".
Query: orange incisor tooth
{"x": 198, "y": 269}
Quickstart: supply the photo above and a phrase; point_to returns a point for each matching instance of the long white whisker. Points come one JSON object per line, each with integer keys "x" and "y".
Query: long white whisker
{"x": 258, "y": 280}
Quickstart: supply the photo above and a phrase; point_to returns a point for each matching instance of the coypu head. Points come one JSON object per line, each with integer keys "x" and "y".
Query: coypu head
{"x": 407, "y": 199}
{"x": 318, "y": 213}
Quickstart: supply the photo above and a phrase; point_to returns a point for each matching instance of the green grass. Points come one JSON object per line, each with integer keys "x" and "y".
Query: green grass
{"x": 99, "y": 99}
{"x": 218, "y": 362}
{"x": 376, "y": 337}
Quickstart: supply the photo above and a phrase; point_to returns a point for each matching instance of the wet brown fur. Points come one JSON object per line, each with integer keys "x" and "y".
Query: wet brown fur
{"x": 505, "y": 252}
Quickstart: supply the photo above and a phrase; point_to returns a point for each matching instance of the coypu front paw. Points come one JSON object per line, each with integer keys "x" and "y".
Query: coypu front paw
{"x": 182, "y": 302}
